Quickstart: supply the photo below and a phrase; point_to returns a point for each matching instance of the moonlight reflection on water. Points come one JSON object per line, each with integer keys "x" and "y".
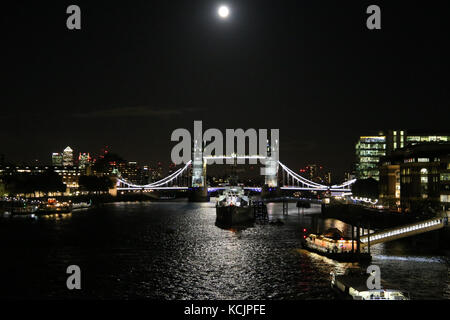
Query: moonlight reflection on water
{"x": 173, "y": 250}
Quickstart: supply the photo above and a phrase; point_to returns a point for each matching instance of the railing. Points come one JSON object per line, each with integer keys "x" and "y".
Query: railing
{"x": 403, "y": 231}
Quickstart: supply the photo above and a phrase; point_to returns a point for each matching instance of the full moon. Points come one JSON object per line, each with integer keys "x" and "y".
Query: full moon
{"x": 223, "y": 11}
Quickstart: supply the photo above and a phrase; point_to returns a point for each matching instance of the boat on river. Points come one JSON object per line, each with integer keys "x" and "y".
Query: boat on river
{"x": 82, "y": 205}
{"x": 52, "y": 206}
{"x": 353, "y": 285}
{"x": 334, "y": 245}
{"x": 233, "y": 208}
{"x": 18, "y": 208}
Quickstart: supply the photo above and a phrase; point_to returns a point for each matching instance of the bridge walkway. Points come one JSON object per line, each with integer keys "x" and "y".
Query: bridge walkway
{"x": 404, "y": 231}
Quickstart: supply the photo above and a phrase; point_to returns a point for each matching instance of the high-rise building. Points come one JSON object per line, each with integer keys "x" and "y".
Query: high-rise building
{"x": 145, "y": 174}
{"x": 84, "y": 160}
{"x": 57, "y": 159}
{"x": 397, "y": 139}
{"x": 131, "y": 172}
{"x": 316, "y": 173}
{"x": 369, "y": 149}
{"x": 416, "y": 138}
{"x": 70, "y": 176}
{"x": 67, "y": 157}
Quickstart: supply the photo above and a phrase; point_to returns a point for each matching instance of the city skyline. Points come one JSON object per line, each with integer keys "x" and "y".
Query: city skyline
{"x": 224, "y": 154}
{"x": 410, "y": 137}
{"x": 147, "y": 70}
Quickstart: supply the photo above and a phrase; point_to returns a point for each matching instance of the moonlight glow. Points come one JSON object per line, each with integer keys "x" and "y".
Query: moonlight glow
{"x": 223, "y": 12}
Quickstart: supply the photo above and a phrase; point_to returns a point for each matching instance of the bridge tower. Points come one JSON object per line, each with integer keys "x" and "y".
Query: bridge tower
{"x": 198, "y": 166}
{"x": 199, "y": 191}
{"x": 271, "y": 169}
{"x": 271, "y": 189}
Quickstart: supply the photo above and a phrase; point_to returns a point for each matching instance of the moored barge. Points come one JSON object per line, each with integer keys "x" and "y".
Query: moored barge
{"x": 332, "y": 244}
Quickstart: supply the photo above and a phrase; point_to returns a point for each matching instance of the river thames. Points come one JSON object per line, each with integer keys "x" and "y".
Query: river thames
{"x": 173, "y": 250}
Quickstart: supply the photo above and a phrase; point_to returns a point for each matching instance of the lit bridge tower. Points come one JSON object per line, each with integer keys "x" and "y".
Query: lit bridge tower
{"x": 271, "y": 166}
{"x": 199, "y": 193}
{"x": 198, "y": 178}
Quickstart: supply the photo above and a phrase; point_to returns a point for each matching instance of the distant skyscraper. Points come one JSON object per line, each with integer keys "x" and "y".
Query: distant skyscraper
{"x": 316, "y": 173}
{"x": 84, "y": 160}
{"x": 57, "y": 159}
{"x": 327, "y": 178}
{"x": 68, "y": 157}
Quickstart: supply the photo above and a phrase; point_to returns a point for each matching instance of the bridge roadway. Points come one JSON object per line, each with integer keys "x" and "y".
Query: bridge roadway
{"x": 403, "y": 231}
{"x": 212, "y": 189}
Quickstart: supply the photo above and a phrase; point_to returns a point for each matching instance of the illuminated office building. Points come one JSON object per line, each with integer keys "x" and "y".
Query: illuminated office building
{"x": 397, "y": 139}
{"x": 57, "y": 159}
{"x": 70, "y": 176}
{"x": 84, "y": 160}
{"x": 316, "y": 173}
{"x": 67, "y": 157}
{"x": 413, "y": 139}
{"x": 369, "y": 149}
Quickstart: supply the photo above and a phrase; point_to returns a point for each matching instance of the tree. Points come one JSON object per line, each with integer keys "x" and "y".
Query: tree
{"x": 46, "y": 182}
{"x": 95, "y": 184}
{"x": 50, "y": 181}
{"x": 110, "y": 159}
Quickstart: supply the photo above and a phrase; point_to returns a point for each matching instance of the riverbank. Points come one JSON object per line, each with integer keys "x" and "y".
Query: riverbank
{"x": 374, "y": 219}
{"x": 368, "y": 217}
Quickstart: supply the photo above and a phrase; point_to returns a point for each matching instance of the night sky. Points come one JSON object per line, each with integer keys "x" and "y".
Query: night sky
{"x": 137, "y": 70}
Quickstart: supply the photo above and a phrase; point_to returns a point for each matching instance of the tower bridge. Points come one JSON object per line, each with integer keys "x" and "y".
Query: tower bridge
{"x": 181, "y": 179}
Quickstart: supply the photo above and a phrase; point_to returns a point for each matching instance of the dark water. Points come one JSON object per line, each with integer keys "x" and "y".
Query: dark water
{"x": 174, "y": 251}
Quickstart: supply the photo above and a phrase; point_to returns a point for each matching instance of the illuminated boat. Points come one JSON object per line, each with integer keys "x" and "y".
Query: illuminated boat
{"x": 332, "y": 244}
{"x": 234, "y": 208}
{"x": 82, "y": 205}
{"x": 18, "y": 208}
{"x": 353, "y": 285}
{"x": 54, "y": 207}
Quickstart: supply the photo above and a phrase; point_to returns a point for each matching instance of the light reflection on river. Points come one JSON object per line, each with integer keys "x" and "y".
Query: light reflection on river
{"x": 173, "y": 250}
